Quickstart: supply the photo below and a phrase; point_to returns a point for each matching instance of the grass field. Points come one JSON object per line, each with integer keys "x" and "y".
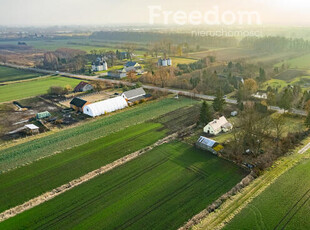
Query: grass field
{"x": 27, "y": 182}
{"x": 182, "y": 60}
{"x": 283, "y": 205}
{"x": 303, "y": 82}
{"x": 302, "y": 62}
{"x": 11, "y": 74}
{"x": 160, "y": 190}
{"x": 33, "y": 88}
{"x": 62, "y": 140}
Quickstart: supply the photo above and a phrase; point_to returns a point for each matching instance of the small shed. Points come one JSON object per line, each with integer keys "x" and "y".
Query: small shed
{"x": 83, "y": 87}
{"x": 43, "y": 115}
{"x": 32, "y": 129}
{"x": 234, "y": 113}
{"x": 134, "y": 93}
{"x": 209, "y": 145}
{"x": 78, "y": 104}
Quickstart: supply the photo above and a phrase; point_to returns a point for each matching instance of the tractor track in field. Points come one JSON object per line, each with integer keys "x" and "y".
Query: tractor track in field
{"x": 100, "y": 196}
{"x": 295, "y": 205}
{"x": 156, "y": 205}
{"x": 76, "y": 182}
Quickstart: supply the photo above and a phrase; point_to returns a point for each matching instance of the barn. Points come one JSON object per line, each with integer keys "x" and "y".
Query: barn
{"x": 106, "y": 106}
{"x": 78, "y": 104}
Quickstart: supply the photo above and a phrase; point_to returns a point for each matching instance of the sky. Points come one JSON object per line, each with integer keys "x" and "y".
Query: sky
{"x": 111, "y": 12}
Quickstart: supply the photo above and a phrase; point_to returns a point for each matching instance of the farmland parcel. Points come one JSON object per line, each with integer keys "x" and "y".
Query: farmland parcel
{"x": 33, "y": 88}
{"x": 283, "y": 205}
{"x": 171, "y": 183}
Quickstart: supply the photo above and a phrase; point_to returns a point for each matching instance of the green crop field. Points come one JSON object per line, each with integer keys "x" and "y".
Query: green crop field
{"x": 162, "y": 189}
{"x": 302, "y": 62}
{"x": 33, "y": 88}
{"x": 103, "y": 126}
{"x": 283, "y": 205}
{"x": 11, "y": 74}
{"x": 22, "y": 184}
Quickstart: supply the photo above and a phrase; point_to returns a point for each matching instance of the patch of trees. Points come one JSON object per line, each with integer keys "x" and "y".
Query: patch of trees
{"x": 188, "y": 68}
{"x": 273, "y": 44}
{"x": 65, "y": 59}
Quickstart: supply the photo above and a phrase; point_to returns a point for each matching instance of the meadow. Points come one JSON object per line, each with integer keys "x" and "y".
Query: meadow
{"x": 57, "y": 142}
{"x": 22, "y": 184}
{"x": 283, "y": 205}
{"x": 11, "y": 74}
{"x": 302, "y": 62}
{"x": 16, "y": 91}
{"x": 162, "y": 189}
{"x": 303, "y": 82}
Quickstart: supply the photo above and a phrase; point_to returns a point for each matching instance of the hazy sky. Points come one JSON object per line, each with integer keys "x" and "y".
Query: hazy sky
{"x": 102, "y": 12}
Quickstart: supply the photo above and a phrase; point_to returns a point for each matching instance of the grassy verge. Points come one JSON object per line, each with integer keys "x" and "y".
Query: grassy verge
{"x": 27, "y": 182}
{"x": 57, "y": 142}
{"x": 171, "y": 184}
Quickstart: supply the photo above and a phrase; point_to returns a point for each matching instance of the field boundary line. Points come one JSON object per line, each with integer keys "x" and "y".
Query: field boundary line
{"x": 235, "y": 201}
{"x": 76, "y": 182}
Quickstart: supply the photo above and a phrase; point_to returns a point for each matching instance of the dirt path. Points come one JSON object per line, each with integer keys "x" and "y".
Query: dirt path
{"x": 66, "y": 187}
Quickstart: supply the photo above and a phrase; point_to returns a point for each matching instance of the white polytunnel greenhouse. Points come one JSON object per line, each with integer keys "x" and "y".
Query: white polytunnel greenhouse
{"x": 106, "y": 106}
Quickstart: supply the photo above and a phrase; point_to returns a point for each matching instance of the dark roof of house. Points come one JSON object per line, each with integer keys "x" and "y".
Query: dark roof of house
{"x": 80, "y": 86}
{"x": 131, "y": 63}
{"x": 78, "y": 102}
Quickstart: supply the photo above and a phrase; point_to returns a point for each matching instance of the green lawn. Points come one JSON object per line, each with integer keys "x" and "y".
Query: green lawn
{"x": 103, "y": 126}
{"x": 11, "y": 74}
{"x": 33, "y": 88}
{"x": 302, "y": 62}
{"x": 283, "y": 205}
{"x": 161, "y": 189}
{"x": 303, "y": 82}
{"x": 27, "y": 182}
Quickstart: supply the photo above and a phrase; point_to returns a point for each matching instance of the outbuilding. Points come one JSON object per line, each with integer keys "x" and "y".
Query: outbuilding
{"x": 209, "y": 145}
{"x": 83, "y": 87}
{"x": 133, "y": 94}
{"x": 43, "y": 115}
{"x": 78, "y": 104}
{"x": 104, "y": 107}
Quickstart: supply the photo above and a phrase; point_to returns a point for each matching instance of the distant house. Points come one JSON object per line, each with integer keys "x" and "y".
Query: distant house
{"x": 209, "y": 145}
{"x": 260, "y": 95}
{"x": 99, "y": 65}
{"x": 132, "y": 66}
{"x": 78, "y": 104}
{"x": 119, "y": 74}
{"x": 164, "y": 62}
{"x": 83, "y": 87}
{"x": 218, "y": 125}
{"x": 43, "y": 115}
{"x": 134, "y": 94}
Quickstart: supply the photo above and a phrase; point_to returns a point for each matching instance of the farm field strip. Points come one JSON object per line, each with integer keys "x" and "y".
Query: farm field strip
{"x": 33, "y": 88}
{"x": 22, "y": 184}
{"x": 27, "y": 152}
{"x": 8, "y": 74}
{"x": 139, "y": 192}
{"x": 76, "y": 182}
{"x": 234, "y": 206}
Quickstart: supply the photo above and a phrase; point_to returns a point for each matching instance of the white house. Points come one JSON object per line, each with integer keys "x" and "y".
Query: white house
{"x": 260, "y": 95}
{"x": 99, "y": 65}
{"x": 132, "y": 66}
{"x": 165, "y": 62}
{"x": 218, "y": 125}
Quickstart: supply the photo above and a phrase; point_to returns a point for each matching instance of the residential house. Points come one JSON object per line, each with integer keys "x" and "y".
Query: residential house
{"x": 78, "y": 104}
{"x": 260, "y": 95}
{"x": 83, "y": 87}
{"x": 99, "y": 65}
{"x": 132, "y": 66}
{"x": 118, "y": 74}
{"x": 164, "y": 62}
{"x": 218, "y": 125}
{"x": 209, "y": 145}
